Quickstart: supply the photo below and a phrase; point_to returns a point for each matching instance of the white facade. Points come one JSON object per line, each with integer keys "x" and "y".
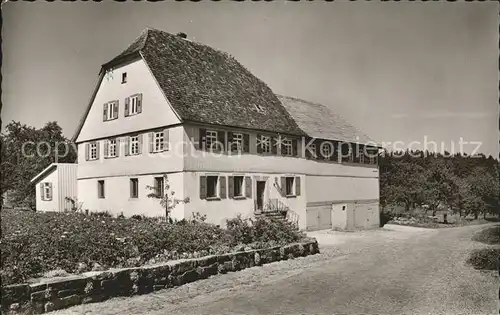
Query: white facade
{"x": 105, "y": 183}
{"x": 54, "y": 185}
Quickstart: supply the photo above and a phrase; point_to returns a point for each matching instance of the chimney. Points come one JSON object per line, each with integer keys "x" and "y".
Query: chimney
{"x": 182, "y": 35}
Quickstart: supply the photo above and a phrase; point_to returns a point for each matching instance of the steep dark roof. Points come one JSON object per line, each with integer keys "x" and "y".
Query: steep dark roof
{"x": 318, "y": 121}
{"x": 208, "y": 86}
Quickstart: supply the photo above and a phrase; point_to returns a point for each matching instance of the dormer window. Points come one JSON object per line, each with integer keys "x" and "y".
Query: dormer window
{"x": 124, "y": 77}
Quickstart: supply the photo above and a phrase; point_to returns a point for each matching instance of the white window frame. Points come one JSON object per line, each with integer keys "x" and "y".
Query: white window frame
{"x": 134, "y": 143}
{"x": 46, "y": 191}
{"x": 216, "y": 188}
{"x": 158, "y": 141}
{"x": 93, "y": 151}
{"x": 112, "y": 143}
{"x": 265, "y": 144}
{"x": 134, "y": 101}
{"x": 237, "y": 142}
{"x": 326, "y": 151}
{"x": 292, "y": 191}
{"x": 286, "y": 144}
{"x": 110, "y": 111}
{"x": 210, "y": 139}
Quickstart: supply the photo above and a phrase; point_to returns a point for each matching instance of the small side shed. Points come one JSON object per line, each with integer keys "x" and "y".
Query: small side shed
{"x": 53, "y": 185}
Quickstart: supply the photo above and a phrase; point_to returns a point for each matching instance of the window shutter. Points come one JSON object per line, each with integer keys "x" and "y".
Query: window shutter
{"x": 97, "y": 147}
{"x": 139, "y": 103}
{"x": 151, "y": 143}
{"x": 86, "y": 151}
{"x": 222, "y": 185}
{"x": 283, "y": 186}
{"x": 258, "y": 143}
{"x": 230, "y": 141}
{"x": 115, "y": 112}
{"x": 50, "y": 190}
{"x": 166, "y": 139}
{"x": 106, "y": 148}
{"x": 139, "y": 140}
{"x": 202, "y": 138}
{"x": 203, "y": 187}
{"x": 117, "y": 146}
{"x": 42, "y": 194}
{"x": 246, "y": 143}
{"x": 274, "y": 146}
{"x": 105, "y": 112}
{"x": 294, "y": 147}
{"x": 221, "y": 137}
{"x": 127, "y": 106}
{"x": 127, "y": 146}
{"x": 297, "y": 186}
{"x": 248, "y": 186}
{"x": 230, "y": 186}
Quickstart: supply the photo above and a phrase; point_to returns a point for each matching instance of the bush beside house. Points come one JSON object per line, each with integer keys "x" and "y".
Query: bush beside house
{"x": 34, "y": 244}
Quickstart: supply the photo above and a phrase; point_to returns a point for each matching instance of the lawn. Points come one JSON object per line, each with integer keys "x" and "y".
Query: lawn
{"x": 35, "y": 244}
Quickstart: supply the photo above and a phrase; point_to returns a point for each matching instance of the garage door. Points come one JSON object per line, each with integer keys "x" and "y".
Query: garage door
{"x": 319, "y": 218}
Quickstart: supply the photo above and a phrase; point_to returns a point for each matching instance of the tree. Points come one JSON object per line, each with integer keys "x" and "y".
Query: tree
{"x": 25, "y": 152}
{"x": 402, "y": 183}
{"x": 167, "y": 201}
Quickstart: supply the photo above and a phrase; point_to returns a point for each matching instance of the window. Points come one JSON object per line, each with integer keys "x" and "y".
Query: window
{"x": 286, "y": 147}
{"x": 238, "y": 186}
{"x": 289, "y": 186}
{"x": 134, "y": 145}
{"x": 100, "y": 189}
{"x": 158, "y": 141}
{"x": 93, "y": 151}
{"x": 112, "y": 148}
{"x": 312, "y": 149}
{"x": 110, "y": 111}
{"x": 134, "y": 104}
{"x": 264, "y": 144}
{"x": 212, "y": 183}
{"x": 134, "y": 188}
{"x": 361, "y": 153}
{"x": 46, "y": 191}
{"x": 210, "y": 139}
{"x": 326, "y": 150}
{"x": 237, "y": 142}
{"x": 159, "y": 187}
{"x": 124, "y": 77}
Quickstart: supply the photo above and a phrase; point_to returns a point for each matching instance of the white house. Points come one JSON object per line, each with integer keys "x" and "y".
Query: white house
{"x": 54, "y": 185}
{"x": 168, "y": 105}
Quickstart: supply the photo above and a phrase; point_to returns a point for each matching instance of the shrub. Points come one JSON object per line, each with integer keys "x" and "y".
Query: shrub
{"x": 488, "y": 236}
{"x": 485, "y": 258}
{"x": 34, "y": 243}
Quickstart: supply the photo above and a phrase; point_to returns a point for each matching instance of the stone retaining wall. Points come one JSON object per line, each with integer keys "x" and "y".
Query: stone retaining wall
{"x": 99, "y": 286}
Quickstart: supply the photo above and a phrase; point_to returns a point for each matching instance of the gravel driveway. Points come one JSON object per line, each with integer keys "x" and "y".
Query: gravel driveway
{"x": 394, "y": 270}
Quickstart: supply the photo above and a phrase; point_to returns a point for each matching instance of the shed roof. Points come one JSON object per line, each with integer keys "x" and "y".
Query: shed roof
{"x": 49, "y": 169}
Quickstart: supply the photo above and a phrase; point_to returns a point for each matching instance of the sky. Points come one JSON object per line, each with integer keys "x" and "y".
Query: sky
{"x": 405, "y": 74}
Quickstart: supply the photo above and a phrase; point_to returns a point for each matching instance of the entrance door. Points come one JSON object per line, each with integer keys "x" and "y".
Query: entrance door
{"x": 261, "y": 189}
